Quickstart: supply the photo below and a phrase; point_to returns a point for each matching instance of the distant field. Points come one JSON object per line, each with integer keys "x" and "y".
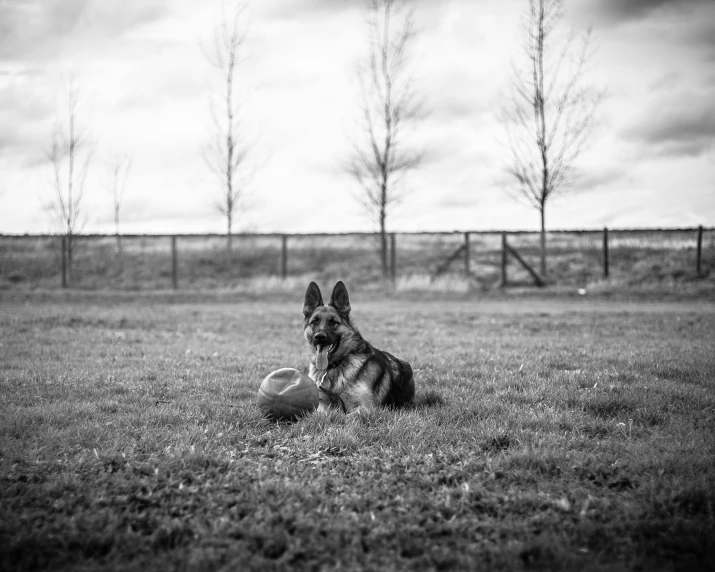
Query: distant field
{"x": 573, "y": 435}
{"x": 645, "y": 259}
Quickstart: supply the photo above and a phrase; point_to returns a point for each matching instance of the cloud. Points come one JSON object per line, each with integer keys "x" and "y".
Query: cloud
{"x": 146, "y": 85}
{"x": 666, "y": 81}
{"x": 619, "y": 11}
{"x": 600, "y": 178}
{"x": 291, "y": 9}
{"x": 26, "y": 114}
{"x": 677, "y": 125}
{"x": 457, "y": 201}
{"x": 305, "y": 7}
{"x": 45, "y": 28}
{"x": 702, "y": 33}
{"x": 36, "y": 20}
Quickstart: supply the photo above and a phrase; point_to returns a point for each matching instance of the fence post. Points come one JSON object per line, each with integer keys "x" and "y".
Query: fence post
{"x": 284, "y": 256}
{"x": 64, "y": 261}
{"x": 393, "y": 261}
{"x": 700, "y": 251}
{"x": 466, "y": 255}
{"x": 605, "y": 252}
{"x": 174, "y": 264}
{"x": 503, "y": 259}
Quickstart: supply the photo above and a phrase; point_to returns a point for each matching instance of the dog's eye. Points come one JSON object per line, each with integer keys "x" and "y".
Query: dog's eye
{"x": 333, "y": 322}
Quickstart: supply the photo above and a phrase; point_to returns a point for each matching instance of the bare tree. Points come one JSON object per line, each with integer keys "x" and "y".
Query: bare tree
{"x": 119, "y": 167}
{"x": 549, "y": 114}
{"x": 70, "y": 154}
{"x": 381, "y": 157}
{"x": 228, "y": 148}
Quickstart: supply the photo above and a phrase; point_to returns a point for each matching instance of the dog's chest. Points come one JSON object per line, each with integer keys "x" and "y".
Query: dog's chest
{"x": 336, "y": 379}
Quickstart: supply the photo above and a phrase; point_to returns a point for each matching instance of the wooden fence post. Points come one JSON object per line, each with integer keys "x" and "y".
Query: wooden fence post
{"x": 174, "y": 264}
{"x": 700, "y": 251}
{"x": 393, "y": 260}
{"x": 503, "y": 259}
{"x": 466, "y": 255}
{"x": 64, "y": 261}
{"x": 605, "y": 252}
{"x": 284, "y": 256}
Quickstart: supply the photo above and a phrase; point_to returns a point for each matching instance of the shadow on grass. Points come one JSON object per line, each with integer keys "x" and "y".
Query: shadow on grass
{"x": 678, "y": 526}
{"x": 614, "y": 407}
{"x": 429, "y": 398}
{"x": 500, "y": 442}
{"x": 682, "y": 375}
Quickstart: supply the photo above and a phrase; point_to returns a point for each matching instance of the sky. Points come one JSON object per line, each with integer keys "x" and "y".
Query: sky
{"x": 145, "y": 87}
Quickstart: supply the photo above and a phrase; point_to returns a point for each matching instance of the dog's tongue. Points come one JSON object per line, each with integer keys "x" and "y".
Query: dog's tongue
{"x": 321, "y": 358}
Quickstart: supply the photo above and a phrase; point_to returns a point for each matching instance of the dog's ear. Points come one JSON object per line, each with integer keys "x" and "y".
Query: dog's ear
{"x": 313, "y": 299}
{"x": 339, "y": 300}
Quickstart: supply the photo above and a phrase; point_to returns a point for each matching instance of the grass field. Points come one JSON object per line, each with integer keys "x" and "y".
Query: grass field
{"x": 557, "y": 435}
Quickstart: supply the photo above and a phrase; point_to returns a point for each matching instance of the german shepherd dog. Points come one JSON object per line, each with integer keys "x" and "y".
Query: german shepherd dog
{"x": 350, "y": 373}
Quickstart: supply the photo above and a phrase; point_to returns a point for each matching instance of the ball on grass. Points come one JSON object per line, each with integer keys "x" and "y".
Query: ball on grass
{"x": 287, "y": 394}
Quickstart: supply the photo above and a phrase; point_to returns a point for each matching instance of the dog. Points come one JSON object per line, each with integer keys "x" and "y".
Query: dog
{"x": 351, "y": 374}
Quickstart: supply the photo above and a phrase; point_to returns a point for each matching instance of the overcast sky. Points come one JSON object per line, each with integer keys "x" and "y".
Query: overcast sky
{"x": 145, "y": 85}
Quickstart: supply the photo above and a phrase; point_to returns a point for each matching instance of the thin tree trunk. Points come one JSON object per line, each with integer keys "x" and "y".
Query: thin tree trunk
{"x": 541, "y": 112}
{"x": 116, "y": 231}
{"x": 69, "y": 143}
{"x": 226, "y": 152}
{"x": 543, "y": 240}
{"x": 69, "y": 258}
{"x": 383, "y": 243}
{"x": 70, "y": 202}
{"x": 543, "y": 152}
{"x": 388, "y": 107}
{"x": 229, "y": 152}
{"x": 120, "y": 253}
{"x": 229, "y": 239}
{"x": 229, "y": 205}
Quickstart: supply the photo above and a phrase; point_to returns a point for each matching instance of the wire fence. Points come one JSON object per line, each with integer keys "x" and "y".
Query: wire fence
{"x": 137, "y": 262}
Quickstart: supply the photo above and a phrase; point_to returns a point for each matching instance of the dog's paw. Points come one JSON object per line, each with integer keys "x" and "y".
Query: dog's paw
{"x": 362, "y": 411}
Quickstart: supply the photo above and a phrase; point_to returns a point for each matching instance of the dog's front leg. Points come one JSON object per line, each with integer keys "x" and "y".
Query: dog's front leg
{"x": 330, "y": 401}
{"x": 359, "y": 399}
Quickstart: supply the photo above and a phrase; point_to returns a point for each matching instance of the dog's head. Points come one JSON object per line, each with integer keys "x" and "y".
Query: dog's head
{"x": 324, "y": 326}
